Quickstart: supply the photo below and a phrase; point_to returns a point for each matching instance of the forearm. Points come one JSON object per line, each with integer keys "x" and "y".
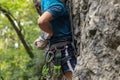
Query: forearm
{"x": 46, "y": 28}
{"x": 44, "y": 23}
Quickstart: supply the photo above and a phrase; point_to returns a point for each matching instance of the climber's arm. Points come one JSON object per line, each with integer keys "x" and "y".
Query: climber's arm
{"x": 44, "y": 22}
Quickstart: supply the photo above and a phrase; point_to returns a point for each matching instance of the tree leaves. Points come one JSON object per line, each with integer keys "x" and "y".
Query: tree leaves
{"x": 14, "y": 60}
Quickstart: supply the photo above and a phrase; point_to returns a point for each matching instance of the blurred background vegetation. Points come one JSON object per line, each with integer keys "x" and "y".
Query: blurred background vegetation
{"x": 15, "y": 61}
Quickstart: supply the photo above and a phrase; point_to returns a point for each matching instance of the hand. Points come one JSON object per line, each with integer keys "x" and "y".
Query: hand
{"x": 41, "y": 42}
{"x": 47, "y": 36}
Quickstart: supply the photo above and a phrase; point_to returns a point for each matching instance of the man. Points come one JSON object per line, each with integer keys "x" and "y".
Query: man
{"x": 55, "y": 22}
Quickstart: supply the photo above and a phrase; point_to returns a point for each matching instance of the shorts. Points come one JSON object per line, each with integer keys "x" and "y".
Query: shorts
{"x": 68, "y": 59}
{"x": 68, "y": 65}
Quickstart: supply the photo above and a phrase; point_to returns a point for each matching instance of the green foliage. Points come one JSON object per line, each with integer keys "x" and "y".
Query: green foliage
{"x": 12, "y": 63}
{"x": 15, "y": 63}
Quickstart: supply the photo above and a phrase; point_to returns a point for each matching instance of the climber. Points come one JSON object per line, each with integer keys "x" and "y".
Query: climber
{"x": 55, "y": 24}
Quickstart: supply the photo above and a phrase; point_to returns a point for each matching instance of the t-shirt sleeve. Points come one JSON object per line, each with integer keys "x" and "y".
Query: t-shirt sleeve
{"x": 56, "y": 11}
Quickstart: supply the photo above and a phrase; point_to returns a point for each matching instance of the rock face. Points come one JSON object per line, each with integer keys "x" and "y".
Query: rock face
{"x": 96, "y": 25}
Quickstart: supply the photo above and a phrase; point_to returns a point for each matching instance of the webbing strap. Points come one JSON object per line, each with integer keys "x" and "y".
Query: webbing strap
{"x": 70, "y": 4}
{"x": 37, "y": 6}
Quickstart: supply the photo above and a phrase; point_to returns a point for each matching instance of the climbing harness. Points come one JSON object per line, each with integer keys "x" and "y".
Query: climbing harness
{"x": 53, "y": 59}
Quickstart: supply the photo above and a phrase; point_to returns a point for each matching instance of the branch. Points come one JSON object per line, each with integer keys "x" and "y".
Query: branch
{"x": 12, "y": 19}
{"x": 2, "y": 78}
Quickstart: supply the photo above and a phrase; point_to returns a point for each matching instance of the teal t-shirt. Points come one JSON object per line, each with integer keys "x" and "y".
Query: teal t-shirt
{"x": 61, "y": 22}
{"x": 48, "y": 3}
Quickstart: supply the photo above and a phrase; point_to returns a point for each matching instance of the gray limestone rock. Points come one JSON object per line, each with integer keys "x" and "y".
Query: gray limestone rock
{"x": 96, "y": 25}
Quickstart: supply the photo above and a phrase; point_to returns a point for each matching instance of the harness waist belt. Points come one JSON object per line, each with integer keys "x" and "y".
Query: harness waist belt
{"x": 59, "y": 44}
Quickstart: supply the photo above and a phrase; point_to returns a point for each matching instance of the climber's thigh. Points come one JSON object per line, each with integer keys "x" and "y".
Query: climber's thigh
{"x": 68, "y": 75}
